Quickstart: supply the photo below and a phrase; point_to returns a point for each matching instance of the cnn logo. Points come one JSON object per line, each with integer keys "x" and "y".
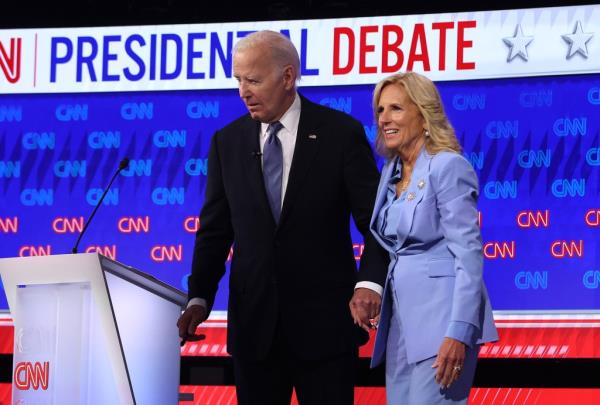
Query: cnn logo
{"x": 32, "y": 375}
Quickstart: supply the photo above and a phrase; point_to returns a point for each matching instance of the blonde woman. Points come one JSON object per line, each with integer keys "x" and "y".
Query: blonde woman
{"x": 435, "y": 308}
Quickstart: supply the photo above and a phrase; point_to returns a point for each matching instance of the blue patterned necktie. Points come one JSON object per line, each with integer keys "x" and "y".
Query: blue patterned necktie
{"x": 273, "y": 168}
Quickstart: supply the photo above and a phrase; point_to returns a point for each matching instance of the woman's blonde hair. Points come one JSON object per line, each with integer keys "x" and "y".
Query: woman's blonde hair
{"x": 424, "y": 94}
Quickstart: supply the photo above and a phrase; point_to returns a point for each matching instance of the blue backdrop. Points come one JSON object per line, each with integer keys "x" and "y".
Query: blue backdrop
{"x": 534, "y": 143}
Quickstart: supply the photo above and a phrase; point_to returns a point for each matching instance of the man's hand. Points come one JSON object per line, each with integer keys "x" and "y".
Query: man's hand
{"x": 189, "y": 321}
{"x": 449, "y": 362}
{"x": 365, "y": 306}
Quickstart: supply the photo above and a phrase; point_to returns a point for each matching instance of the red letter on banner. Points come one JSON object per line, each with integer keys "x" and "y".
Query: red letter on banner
{"x": 391, "y": 47}
{"x": 442, "y": 27}
{"x": 462, "y": 44}
{"x": 337, "y": 33}
{"x": 413, "y": 56}
{"x": 364, "y": 49}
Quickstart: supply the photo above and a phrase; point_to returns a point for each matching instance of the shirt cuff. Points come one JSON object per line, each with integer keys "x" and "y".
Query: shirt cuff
{"x": 197, "y": 301}
{"x": 463, "y": 332}
{"x": 371, "y": 286}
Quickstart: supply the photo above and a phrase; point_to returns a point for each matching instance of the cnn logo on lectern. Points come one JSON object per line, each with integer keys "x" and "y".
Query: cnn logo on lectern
{"x": 30, "y": 375}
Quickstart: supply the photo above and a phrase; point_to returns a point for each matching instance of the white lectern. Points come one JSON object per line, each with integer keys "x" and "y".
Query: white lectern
{"x": 90, "y": 330}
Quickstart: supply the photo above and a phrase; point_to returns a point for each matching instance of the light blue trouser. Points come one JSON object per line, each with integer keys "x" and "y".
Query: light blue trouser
{"x": 414, "y": 384}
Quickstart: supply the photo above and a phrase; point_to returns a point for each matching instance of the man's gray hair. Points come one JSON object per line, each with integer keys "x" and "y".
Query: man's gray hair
{"x": 282, "y": 49}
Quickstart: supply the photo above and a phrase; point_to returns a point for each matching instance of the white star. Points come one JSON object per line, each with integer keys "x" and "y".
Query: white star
{"x": 518, "y": 44}
{"x": 577, "y": 41}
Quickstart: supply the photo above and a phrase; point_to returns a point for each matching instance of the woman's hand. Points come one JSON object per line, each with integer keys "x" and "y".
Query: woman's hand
{"x": 449, "y": 362}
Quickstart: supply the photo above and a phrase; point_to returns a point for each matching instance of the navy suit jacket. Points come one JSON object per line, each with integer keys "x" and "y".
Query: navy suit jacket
{"x": 297, "y": 276}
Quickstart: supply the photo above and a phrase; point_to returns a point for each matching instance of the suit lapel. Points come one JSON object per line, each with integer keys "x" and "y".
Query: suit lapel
{"x": 307, "y": 145}
{"x": 252, "y": 164}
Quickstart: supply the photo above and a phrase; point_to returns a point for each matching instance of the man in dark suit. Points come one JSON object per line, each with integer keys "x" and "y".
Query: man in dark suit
{"x": 282, "y": 183}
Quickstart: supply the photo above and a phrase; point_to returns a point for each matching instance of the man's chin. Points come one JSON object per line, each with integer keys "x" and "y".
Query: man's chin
{"x": 257, "y": 116}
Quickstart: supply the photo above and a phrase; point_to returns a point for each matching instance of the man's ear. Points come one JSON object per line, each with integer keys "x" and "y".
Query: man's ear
{"x": 289, "y": 77}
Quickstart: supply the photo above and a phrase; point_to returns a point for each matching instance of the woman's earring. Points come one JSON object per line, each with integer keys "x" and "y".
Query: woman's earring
{"x": 426, "y": 133}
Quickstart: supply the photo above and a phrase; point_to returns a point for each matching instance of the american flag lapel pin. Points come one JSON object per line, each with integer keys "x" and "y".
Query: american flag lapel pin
{"x": 312, "y": 136}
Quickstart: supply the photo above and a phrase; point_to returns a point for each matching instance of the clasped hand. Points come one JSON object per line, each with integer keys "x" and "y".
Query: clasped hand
{"x": 364, "y": 307}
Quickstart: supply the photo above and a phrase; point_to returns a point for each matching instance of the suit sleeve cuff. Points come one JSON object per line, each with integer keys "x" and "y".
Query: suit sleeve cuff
{"x": 371, "y": 286}
{"x": 197, "y": 301}
{"x": 463, "y": 332}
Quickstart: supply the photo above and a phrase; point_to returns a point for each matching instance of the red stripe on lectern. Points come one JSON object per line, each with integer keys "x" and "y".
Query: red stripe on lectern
{"x": 5, "y": 395}
{"x": 6, "y": 340}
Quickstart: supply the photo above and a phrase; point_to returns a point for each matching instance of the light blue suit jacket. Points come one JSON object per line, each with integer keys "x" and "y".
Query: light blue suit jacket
{"x": 437, "y": 262}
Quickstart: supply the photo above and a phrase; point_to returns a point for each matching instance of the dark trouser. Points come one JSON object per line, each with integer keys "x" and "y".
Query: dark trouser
{"x": 325, "y": 381}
